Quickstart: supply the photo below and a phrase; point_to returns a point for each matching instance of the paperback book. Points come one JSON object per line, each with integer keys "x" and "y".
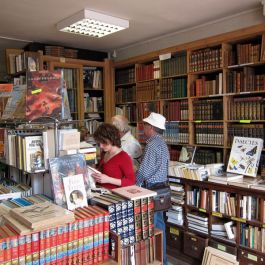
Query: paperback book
{"x": 65, "y": 166}
{"x": 187, "y": 154}
{"x": 44, "y": 94}
{"x": 245, "y": 155}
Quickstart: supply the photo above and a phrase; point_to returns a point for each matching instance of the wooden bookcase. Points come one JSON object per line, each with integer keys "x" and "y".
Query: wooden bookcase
{"x": 86, "y": 100}
{"x": 220, "y": 94}
{"x": 242, "y": 246}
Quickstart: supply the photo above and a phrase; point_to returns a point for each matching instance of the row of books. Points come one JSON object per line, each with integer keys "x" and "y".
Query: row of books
{"x": 125, "y": 76}
{"x": 205, "y": 59}
{"x": 204, "y": 156}
{"x": 205, "y": 86}
{"x": 176, "y": 110}
{"x": 247, "y": 108}
{"x": 173, "y": 88}
{"x": 129, "y": 111}
{"x": 133, "y": 220}
{"x": 245, "y": 80}
{"x": 92, "y": 104}
{"x": 248, "y": 52}
{"x": 191, "y": 171}
{"x": 174, "y": 66}
{"x": 145, "y": 108}
{"x": 246, "y": 130}
{"x": 147, "y": 91}
{"x": 92, "y": 78}
{"x": 124, "y": 95}
{"x": 208, "y": 109}
{"x": 252, "y": 237}
{"x": 197, "y": 198}
{"x": 210, "y": 133}
{"x": 172, "y": 131}
{"x": 142, "y": 253}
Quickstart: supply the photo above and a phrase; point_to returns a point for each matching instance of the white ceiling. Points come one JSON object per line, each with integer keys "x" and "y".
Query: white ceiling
{"x": 33, "y": 20}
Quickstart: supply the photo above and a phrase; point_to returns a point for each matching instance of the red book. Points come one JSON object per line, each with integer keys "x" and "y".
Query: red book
{"x": 100, "y": 217}
{"x": 65, "y": 243}
{"x": 35, "y": 247}
{"x": 6, "y": 246}
{"x": 47, "y": 244}
{"x": 13, "y": 237}
{"x": 42, "y": 246}
{"x": 105, "y": 231}
{"x": 88, "y": 236}
{"x": 93, "y": 235}
{"x": 70, "y": 242}
{"x": 53, "y": 240}
{"x": 80, "y": 247}
{"x": 28, "y": 251}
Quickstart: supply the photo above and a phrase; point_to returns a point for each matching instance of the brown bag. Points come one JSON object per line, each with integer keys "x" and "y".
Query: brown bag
{"x": 162, "y": 200}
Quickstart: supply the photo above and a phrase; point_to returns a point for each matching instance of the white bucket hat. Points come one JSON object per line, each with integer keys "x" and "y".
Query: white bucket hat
{"x": 157, "y": 120}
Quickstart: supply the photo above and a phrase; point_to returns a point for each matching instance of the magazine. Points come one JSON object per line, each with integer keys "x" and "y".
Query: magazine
{"x": 245, "y": 155}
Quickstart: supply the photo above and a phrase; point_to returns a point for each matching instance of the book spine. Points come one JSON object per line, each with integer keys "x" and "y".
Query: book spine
{"x": 65, "y": 238}
{"x": 137, "y": 220}
{"x": 130, "y": 211}
{"x": 53, "y": 240}
{"x": 47, "y": 244}
{"x": 80, "y": 240}
{"x": 144, "y": 213}
{"x": 150, "y": 216}
{"x": 14, "y": 249}
{"x": 42, "y": 248}
{"x": 28, "y": 251}
{"x": 70, "y": 243}
{"x": 35, "y": 248}
{"x": 21, "y": 250}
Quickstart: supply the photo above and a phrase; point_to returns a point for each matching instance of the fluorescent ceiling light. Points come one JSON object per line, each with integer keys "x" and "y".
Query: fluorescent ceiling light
{"x": 91, "y": 23}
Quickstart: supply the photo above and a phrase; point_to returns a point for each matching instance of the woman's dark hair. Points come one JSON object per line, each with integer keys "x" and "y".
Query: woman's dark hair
{"x": 107, "y": 133}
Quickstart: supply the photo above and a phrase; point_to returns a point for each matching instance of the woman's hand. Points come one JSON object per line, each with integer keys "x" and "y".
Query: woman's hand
{"x": 101, "y": 178}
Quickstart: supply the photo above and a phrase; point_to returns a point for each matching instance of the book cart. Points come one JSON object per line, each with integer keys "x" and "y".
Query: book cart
{"x": 209, "y": 90}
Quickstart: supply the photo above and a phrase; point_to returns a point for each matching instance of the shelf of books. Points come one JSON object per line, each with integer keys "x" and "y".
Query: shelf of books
{"x": 210, "y": 91}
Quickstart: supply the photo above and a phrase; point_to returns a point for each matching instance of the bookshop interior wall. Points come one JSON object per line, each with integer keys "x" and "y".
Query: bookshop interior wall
{"x": 211, "y": 92}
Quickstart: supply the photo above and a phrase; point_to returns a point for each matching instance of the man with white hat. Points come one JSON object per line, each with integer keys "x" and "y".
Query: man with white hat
{"x": 154, "y": 166}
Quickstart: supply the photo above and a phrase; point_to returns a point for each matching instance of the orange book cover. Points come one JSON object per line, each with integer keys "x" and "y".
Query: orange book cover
{"x": 44, "y": 94}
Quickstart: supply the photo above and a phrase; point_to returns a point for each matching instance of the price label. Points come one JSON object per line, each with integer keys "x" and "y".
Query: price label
{"x": 252, "y": 257}
{"x": 36, "y": 91}
{"x": 62, "y": 60}
{"x": 238, "y": 219}
{"x": 263, "y": 225}
{"x": 245, "y": 121}
{"x": 198, "y": 121}
{"x": 174, "y": 231}
{"x": 217, "y": 214}
{"x": 221, "y": 247}
{"x": 202, "y": 210}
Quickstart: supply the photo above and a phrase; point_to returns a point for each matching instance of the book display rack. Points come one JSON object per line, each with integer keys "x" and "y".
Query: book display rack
{"x": 209, "y": 90}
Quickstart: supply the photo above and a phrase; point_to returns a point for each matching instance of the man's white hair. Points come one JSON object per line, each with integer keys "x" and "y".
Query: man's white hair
{"x": 121, "y": 123}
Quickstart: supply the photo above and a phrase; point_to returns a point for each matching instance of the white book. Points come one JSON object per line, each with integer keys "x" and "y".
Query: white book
{"x": 245, "y": 155}
{"x": 75, "y": 191}
{"x": 228, "y": 229}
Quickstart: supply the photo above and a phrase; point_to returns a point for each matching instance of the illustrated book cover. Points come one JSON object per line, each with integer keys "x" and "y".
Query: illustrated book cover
{"x": 75, "y": 191}
{"x": 134, "y": 192}
{"x": 245, "y": 155}
{"x": 34, "y": 153}
{"x": 187, "y": 154}
{"x": 44, "y": 94}
{"x": 64, "y": 166}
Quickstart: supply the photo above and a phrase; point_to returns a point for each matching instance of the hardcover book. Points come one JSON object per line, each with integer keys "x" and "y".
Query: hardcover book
{"x": 245, "y": 155}
{"x": 44, "y": 94}
{"x": 75, "y": 192}
{"x": 64, "y": 166}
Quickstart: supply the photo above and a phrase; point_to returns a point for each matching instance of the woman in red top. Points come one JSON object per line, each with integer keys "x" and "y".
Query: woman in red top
{"x": 116, "y": 166}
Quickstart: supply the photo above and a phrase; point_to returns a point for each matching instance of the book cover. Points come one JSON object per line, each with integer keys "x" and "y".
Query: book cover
{"x": 64, "y": 166}
{"x": 44, "y": 94}
{"x": 187, "y": 154}
{"x": 244, "y": 156}
{"x": 41, "y": 214}
{"x": 134, "y": 192}
{"x": 75, "y": 191}
{"x": 17, "y": 96}
{"x": 34, "y": 153}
